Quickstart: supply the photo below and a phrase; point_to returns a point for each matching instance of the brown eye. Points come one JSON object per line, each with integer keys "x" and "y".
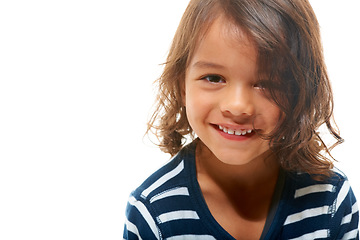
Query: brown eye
{"x": 260, "y": 85}
{"x": 213, "y": 79}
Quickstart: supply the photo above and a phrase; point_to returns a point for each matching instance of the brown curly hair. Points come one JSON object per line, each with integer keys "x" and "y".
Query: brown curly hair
{"x": 287, "y": 36}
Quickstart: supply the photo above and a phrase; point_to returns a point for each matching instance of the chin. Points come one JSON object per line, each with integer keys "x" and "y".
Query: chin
{"x": 239, "y": 158}
{"x": 239, "y": 161}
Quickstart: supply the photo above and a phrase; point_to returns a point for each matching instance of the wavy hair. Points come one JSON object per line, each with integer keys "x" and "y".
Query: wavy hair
{"x": 287, "y": 36}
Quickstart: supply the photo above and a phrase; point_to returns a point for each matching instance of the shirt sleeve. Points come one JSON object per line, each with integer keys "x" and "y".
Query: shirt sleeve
{"x": 139, "y": 223}
{"x": 346, "y": 214}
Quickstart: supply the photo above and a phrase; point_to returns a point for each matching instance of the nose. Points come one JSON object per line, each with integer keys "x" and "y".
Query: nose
{"x": 237, "y": 102}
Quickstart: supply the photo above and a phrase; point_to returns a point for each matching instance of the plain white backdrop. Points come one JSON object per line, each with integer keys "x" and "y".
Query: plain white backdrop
{"x": 76, "y": 92}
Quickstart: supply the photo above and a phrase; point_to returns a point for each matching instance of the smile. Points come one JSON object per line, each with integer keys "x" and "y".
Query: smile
{"x": 238, "y": 132}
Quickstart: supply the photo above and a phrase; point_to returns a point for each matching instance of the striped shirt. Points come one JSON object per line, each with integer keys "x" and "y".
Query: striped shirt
{"x": 170, "y": 205}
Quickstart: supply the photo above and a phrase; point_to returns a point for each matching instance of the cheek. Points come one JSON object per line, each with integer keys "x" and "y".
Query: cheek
{"x": 274, "y": 116}
{"x": 194, "y": 104}
{"x": 268, "y": 116}
{"x": 199, "y": 105}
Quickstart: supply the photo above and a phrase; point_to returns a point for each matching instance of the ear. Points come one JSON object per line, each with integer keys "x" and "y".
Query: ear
{"x": 182, "y": 92}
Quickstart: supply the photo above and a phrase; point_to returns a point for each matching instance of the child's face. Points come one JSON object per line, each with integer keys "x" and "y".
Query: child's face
{"x": 224, "y": 98}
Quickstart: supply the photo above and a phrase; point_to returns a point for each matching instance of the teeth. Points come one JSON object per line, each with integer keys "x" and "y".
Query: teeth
{"x": 234, "y": 132}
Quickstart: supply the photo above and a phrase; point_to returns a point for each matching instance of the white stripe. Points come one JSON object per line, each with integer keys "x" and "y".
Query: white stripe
{"x": 176, "y": 215}
{"x": 181, "y": 191}
{"x": 351, "y": 235}
{"x": 336, "y": 170}
{"x": 314, "y": 235}
{"x": 347, "y": 218}
{"x": 342, "y": 194}
{"x": 132, "y": 228}
{"x": 314, "y": 189}
{"x": 146, "y": 215}
{"x": 313, "y": 212}
{"x": 355, "y": 208}
{"x": 192, "y": 237}
{"x": 163, "y": 179}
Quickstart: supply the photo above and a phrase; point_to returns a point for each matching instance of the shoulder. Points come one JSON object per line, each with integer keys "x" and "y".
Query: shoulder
{"x": 164, "y": 191}
{"x": 335, "y": 188}
{"x": 334, "y": 192}
{"x": 172, "y": 175}
{"x": 305, "y": 184}
{"x": 327, "y": 206}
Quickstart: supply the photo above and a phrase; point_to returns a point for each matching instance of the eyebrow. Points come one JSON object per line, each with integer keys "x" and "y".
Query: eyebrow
{"x": 204, "y": 64}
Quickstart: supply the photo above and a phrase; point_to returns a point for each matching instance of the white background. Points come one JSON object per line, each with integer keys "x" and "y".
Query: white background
{"x": 76, "y": 91}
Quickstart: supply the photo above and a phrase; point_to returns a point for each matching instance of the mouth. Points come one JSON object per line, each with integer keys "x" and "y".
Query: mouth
{"x": 235, "y": 132}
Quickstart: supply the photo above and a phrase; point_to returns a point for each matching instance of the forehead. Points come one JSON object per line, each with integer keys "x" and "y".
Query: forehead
{"x": 223, "y": 34}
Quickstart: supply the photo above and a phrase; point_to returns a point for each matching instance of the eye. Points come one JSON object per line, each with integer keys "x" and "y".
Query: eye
{"x": 260, "y": 85}
{"x": 213, "y": 78}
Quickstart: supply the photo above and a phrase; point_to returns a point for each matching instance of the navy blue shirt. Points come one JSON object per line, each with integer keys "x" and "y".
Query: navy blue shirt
{"x": 170, "y": 205}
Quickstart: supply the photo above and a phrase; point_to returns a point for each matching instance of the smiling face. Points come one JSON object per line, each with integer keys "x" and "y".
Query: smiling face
{"x": 224, "y": 99}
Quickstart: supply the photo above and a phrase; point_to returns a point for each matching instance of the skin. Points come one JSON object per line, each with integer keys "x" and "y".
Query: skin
{"x": 237, "y": 174}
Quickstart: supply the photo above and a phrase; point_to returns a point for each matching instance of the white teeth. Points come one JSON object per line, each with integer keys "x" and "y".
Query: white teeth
{"x": 230, "y": 131}
{"x": 234, "y": 132}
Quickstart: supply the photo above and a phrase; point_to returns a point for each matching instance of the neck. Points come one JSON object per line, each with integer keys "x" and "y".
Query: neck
{"x": 260, "y": 173}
